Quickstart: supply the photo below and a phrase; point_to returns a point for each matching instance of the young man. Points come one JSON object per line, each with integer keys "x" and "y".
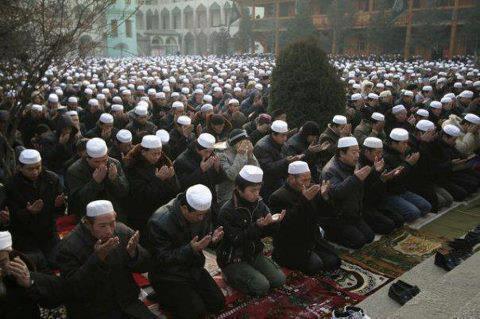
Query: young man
{"x": 246, "y": 220}
{"x": 299, "y": 244}
{"x": 179, "y": 232}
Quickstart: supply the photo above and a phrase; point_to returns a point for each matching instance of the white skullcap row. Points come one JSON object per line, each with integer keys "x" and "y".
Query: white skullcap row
{"x": 178, "y": 105}
{"x": 298, "y": 167}
{"x": 378, "y": 117}
{"x": 96, "y": 147}
{"x": 451, "y": 130}
{"x": 423, "y": 113}
{"x": 425, "y": 125}
{"x": 279, "y": 126}
{"x": 141, "y": 110}
{"x": 164, "y": 136}
{"x": 399, "y": 135}
{"x": 472, "y": 118}
{"x": 347, "y": 141}
{"x": 99, "y": 208}
{"x": 124, "y": 136}
{"x": 398, "y": 109}
{"x": 106, "y": 118}
{"x": 151, "y": 141}
{"x": 206, "y": 140}
{"x": 184, "y": 120}
{"x": 5, "y": 240}
{"x": 29, "y": 156}
{"x": 252, "y": 174}
{"x": 339, "y": 119}
{"x": 373, "y": 142}
{"x": 199, "y": 197}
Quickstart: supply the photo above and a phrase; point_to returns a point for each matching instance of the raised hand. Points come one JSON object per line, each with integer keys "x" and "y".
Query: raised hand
{"x": 199, "y": 245}
{"x": 133, "y": 244}
{"x": 5, "y": 216}
{"x": 217, "y": 235}
{"x": 386, "y": 176}
{"x": 36, "y": 207}
{"x": 60, "y": 200}
{"x": 103, "y": 249}
{"x": 413, "y": 158}
{"x": 206, "y": 163}
{"x": 19, "y": 270}
{"x": 363, "y": 172}
{"x": 311, "y": 192}
{"x": 112, "y": 172}
{"x": 379, "y": 164}
{"x": 99, "y": 173}
{"x": 324, "y": 189}
{"x": 163, "y": 172}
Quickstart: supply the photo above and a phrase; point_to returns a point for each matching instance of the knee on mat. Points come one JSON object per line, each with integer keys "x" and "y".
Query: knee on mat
{"x": 216, "y": 304}
{"x": 278, "y": 280}
{"x": 259, "y": 287}
{"x": 331, "y": 262}
{"x": 194, "y": 309}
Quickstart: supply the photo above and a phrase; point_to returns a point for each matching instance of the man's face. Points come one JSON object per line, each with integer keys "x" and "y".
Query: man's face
{"x": 251, "y": 193}
{"x": 72, "y": 106}
{"x": 103, "y": 226}
{"x": 141, "y": 119}
{"x": 401, "y": 147}
{"x": 233, "y": 107}
{"x": 152, "y": 155}
{"x": 300, "y": 181}
{"x": 205, "y": 153}
{"x": 75, "y": 120}
{"x": 125, "y": 147}
{"x": 31, "y": 171}
{"x": 401, "y": 117}
{"x": 194, "y": 216}
{"x": 4, "y": 259}
{"x": 97, "y": 162}
{"x": 350, "y": 157}
{"x": 218, "y": 128}
{"x": 280, "y": 139}
{"x": 374, "y": 154}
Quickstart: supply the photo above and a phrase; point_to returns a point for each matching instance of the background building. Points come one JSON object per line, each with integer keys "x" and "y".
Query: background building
{"x": 122, "y": 36}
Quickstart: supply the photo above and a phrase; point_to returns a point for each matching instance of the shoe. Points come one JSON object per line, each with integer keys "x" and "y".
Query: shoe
{"x": 447, "y": 260}
{"x": 153, "y": 297}
{"x": 401, "y": 293}
{"x": 349, "y": 312}
{"x": 413, "y": 290}
{"x": 460, "y": 243}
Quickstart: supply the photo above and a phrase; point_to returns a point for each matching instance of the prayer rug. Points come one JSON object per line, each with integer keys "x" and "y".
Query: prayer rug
{"x": 359, "y": 280}
{"x": 396, "y": 253}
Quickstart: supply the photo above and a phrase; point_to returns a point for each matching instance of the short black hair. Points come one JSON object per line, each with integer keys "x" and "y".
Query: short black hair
{"x": 242, "y": 183}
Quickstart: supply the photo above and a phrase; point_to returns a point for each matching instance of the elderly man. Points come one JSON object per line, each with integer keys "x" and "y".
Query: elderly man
{"x": 370, "y": 127}
{"x": 35, "y": 198}
{"x": 141, "y": 126}
{"x": 181, "y": 136}
{"x": 299, "y": 243}
{"x": 346, "y": 194}
{"x": 339, "y": 127}
{"x": 97, "y": 176}
{"x": 121, "y": 146}
{"x": 104, "y": 129}
{"x": 179, "y": 232}
{"x": 116, "y": 296}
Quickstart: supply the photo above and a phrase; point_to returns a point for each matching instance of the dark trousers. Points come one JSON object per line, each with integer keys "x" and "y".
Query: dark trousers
{"x": 322, "y": 260}
{"x": 190, "y": 299}
{"x": 427, "y": 191}
{"x": 378, "y": 222}
{"x": 458, "y": 193}
{"x": 354, "y": 235}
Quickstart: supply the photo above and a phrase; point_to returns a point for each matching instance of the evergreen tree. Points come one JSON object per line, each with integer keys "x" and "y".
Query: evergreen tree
{"x": 244, "y": 37}
{"x": 305, "y": 85}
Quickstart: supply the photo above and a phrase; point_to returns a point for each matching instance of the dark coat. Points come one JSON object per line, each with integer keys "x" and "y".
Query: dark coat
{"x": 274, "y": 164}
{"x": 170, "y": 235}
{"x": 346, "y": 190}
{"x": 139, "y": 131}
{"x": 242, "y": 236}
{"x": 375, "y": 188}
{"x": 83, "y": 189}
{"x": 179, "y": 142}
{"x": 394, "y": 159}
{"x": 299, "y": 232}
{"x": 33, "y": 231}
{"x": 331, "y": 137}
{"x": 117, "y": 291}
{"x": 297, "y": 145}
{"x": 97, "y": 132}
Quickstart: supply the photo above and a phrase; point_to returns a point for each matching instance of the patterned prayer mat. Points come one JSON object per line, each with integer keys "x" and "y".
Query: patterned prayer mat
{"x": 359, "y": 280}
{"x": 396, "y": 253}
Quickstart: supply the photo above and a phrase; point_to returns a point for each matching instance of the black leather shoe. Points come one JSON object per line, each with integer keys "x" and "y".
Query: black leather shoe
{"x": 446, "y": 260}
{"x": 399, "y": 293}
{"x": 413, "y": 290}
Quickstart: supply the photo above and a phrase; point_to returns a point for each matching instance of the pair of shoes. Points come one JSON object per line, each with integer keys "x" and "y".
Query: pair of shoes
{"x": 447, "y": 260}
{"x": 402, "y": 292}
{"x": 473, "y": 236}
{"x": 461, "y": 248}
{"x": 349, "y": 312}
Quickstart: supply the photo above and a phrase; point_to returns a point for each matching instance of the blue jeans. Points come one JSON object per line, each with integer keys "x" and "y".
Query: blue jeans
{"x": 410, "y": 205}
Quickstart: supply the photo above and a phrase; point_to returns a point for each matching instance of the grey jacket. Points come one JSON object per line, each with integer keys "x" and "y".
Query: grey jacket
{"x": 232, "y": 163}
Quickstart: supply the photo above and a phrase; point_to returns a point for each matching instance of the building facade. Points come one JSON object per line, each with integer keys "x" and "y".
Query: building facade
{"x": 121, "y": 38}
{"x": 185, "y": 27}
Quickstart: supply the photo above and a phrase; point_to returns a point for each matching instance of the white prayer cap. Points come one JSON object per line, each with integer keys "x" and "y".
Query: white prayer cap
{"x": 37, "y": 107}
{"x": 385, "y": 93}
{"x": 126, "y": 92}
{"x": 5, "y": 240}
{"x": 151, "y": 141}
{"x": 178, "y": 105}
{"x": 279, "y": 126}
{"x": 124, "y": 136}
{"x": 88, "y": 91}
{"x": 237, "y": 89}
{"x": 206, "y": 107}
{"x": 445, "y": 99}
{"x": 472, "y": 118}
{"x": 298, "y": 167}
{"x": 185, "y": 90}
{"x": 93, "y": 102}
{"x": 378, "y": 116}
{"x": 233, "y": 101}
{"x": 106, "y": 118}
{"x": 425, "y": 125}
{"x": 450, "y": 95}
{"x": 198, "y": 91}
{"x": 373, "y": 142}
{"x": 399, "y": 134}
{"x": 427, "y": 88}
{"x": 30, "y": 156}
{"x": 217, "y": 89}
{"x": 96, "y": 147}
{"x": 164, "y": 136}
{"x": 347, "y": 141}
{"x": 339, "y": 119}
{"x": 476, "y": 84}
{"x": 166, "y": 89}
{"x": 53, "y": 98}
{"x": 451, "y": 130}
{"x": 398, "y": 109}
{"x": 184, "y": 120}
{"x": 199, "y": 197}
{"x": 151, "y": 91}
{"x": 408, "y": 93}
{"x": 117, "y": 100}
{"x": 423, "y": 113}
{"x": 141, "y": 110}
{"x": 356, "y": 97}
{"x": 160, "y": 95}
{"x": 101, "y": 96}
{"x": 373, "y": 96}
{"x": 207, "y": 98}
{"x": 117, "y": 107}
{"x": 436, "y": 105}
{"x": 71, "y": 113}
{"x": 252, "y": 174}
{"x": 458, "y": 85}
{"x": 99, "y": 208}
{"x": 206, "y": 140}
{"x": 72, "y": 99}
{"x": 175, "y": 94}
{"x": 466, "y": 94}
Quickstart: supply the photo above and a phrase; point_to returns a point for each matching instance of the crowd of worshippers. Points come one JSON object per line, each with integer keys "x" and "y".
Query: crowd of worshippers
{"x": 160, "y": 159}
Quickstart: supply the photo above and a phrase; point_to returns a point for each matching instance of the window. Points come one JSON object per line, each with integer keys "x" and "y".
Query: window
{"x": 128, "y": 28}
{"x": 417, "y": 4}
{"x": 114, "y": 27}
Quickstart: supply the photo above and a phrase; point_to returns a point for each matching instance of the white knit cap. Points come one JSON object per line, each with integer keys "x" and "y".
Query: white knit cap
{"x": 53, "y": 98}
{"x": 37, "y": 107}
{"x": 451, "y": 130}
{"x": 399, "y": 134}
{"x": 347, "y": 141}
{"x": 151, "y": 141}
{"x": 5, "y": 240}
{"x": 117, "y": 107}
{"x": 423, "y": 113}
{"x": 445, "y": 99}
{"x": 96, "y": 147}
{"x": 339, "y": 119}
{"x": 93, "y": 102}
{"x": 72, "y": 99}
{"x": 29, "y": 156}
{"x": 425, "y": 125}
{"x": 71, "y": 113}
{"x": 206, "y": 140}
{"x": 356, "y": 97}
{"x": 99, "y": 207}
{"x": 164, "y": 136}
{"x": 298, "y": 167}
{"x": 436, "y": 105}
{"x": 378, "y": 116}
{"x": 466, "y": 94}
{"x": 106, "y": 118}
{"x": 141, "y": 110}
{"x": 398, "y": 109}
{"x": 206, "y": 107}
{"x": 199, "y": 197}
{"x": 279, "y": 126}
{"x": 472, "y": 118}
{"x": 252, "y": 174}
{"x": 373, "y": 142}
{"x": 178, "y": 105}
{"x": 124, "y": 136}
{"x": 184, "y": 120}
